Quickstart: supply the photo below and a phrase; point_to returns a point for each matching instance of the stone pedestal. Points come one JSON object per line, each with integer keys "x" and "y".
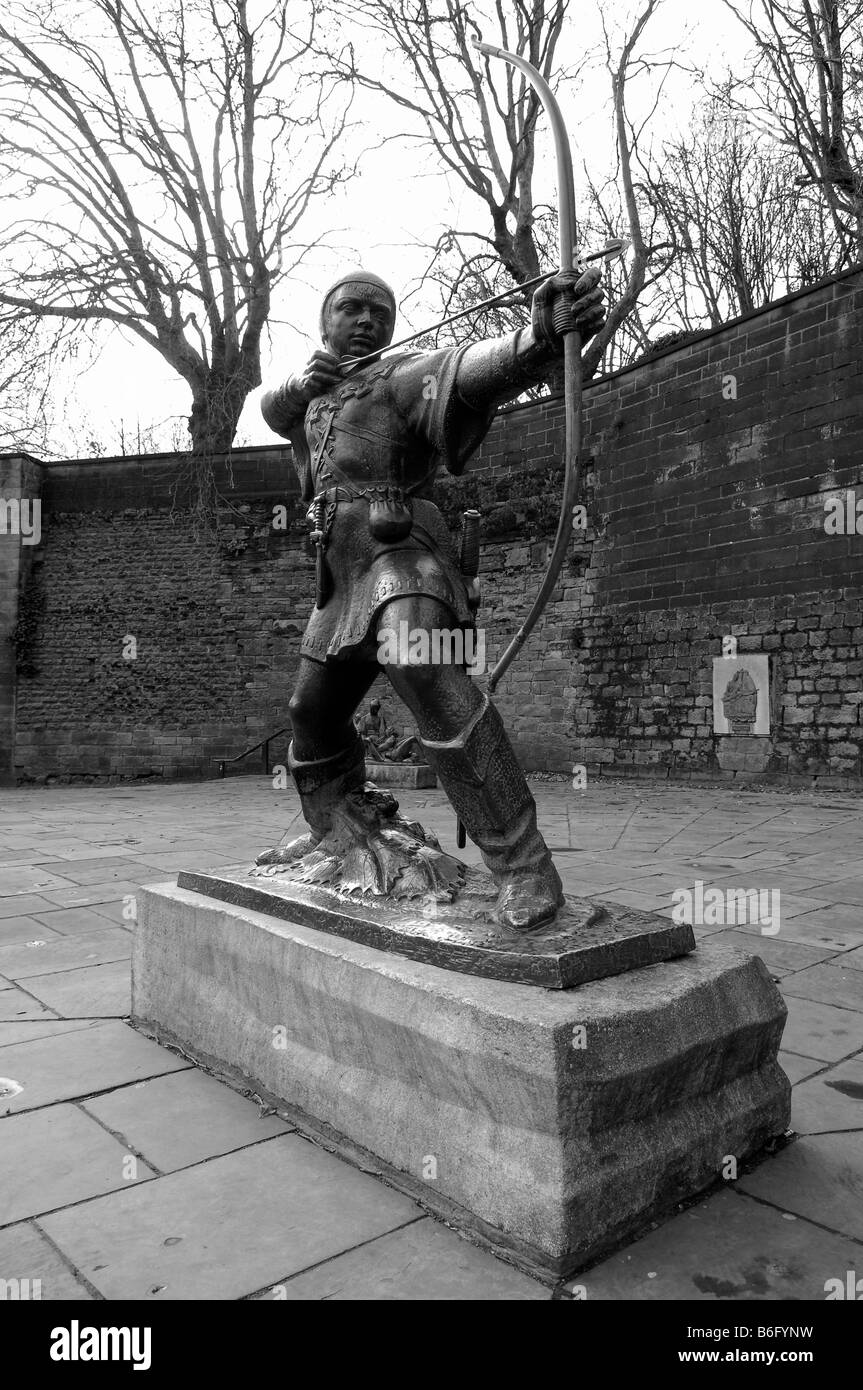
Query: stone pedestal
{"x": 413, "y": 776}
{"x": 745, "y": 754}
{"x": 548, "y": 1124}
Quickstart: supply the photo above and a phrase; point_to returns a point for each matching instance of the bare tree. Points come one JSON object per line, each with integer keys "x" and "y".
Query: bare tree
{"x": 637, "y": 298}
{"x": 480, "y": 120}
{"x": 806, "y": 86}
{"x": 31, "y": 358}
{"x": 742, "y": 233}
{"x": 157, "y": 161}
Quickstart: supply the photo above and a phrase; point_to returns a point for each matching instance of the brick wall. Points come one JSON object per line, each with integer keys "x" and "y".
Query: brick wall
{"x": 20, "y": 529}
{"x": 157, "y": 652}
{"x": 707, "y": 470}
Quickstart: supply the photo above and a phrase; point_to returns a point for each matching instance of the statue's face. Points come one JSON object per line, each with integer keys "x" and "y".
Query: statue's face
{"x": 357, "y": 326}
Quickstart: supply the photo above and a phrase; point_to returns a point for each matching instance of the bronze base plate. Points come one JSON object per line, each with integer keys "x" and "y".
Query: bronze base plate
{"x": 587, "y": 940}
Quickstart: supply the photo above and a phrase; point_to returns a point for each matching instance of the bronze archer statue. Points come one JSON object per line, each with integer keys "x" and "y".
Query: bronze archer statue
{"x": 368, "y": 440}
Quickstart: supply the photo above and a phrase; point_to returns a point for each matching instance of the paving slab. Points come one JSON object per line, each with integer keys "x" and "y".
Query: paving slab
{"x": 830, "y": 1102}
{"x": 820, "y": 1030}
{"x": 23, "y": 879}
{"x": 851, "y": 960}
{"x": 702, "y": 931}
{"x": 843, "y": 890}
{"x": 14, "y": 930}
{"x": 834, "y": 867}
{"x": 786, "y": 882}
{"x": 819, "y": 1177}
{"x": 829, "y": 984}
{"x": 82, "y": 896}
{"x": 114, "y": 910}
{"x": 421, "y": 1262}
{"x": 798, "y": 1068}
{"x": 26, "y": 1254}
{"x": 839, "y": 926}
{"x": 727, "y": 1248}
{"x": 81, "y": 1063}
{"x": 50, "y": 954}
{"x": 792, "y": 907}
{"x": 59, "y": 1155}
{"x": 645, "y": 902}
{"x": 16, "y": 1004}
{"x": 98, "y": 991}
{"x": 53, "y": 953}
{"x": 77, "y": 852}
{"x": 181, "y": 1119}
{"x": 109, "y": 873}
{"x": 781, "y": 957}
{"x": 47, "y": 1027}
{"x": 175, "y": 860}
{"x": 230, "y": 1227}
{"x": 19, "y": 904}
{"x": 107, "y": 867}
{"x": 71, "y": 921}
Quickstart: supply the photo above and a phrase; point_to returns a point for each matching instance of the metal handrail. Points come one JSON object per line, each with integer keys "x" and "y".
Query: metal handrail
{"x": 263, "y": 744}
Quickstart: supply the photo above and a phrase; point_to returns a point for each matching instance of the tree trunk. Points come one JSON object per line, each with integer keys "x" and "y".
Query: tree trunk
{"x": 217, "y": 403}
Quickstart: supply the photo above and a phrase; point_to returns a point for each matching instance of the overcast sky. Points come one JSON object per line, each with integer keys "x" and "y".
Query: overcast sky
{"x": 395, "y": 208}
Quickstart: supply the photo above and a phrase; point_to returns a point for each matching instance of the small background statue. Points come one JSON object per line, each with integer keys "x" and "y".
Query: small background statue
{"x": 383, "y": 744}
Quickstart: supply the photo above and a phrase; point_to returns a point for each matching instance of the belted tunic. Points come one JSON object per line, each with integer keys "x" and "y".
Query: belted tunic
{"x": 367, "y": 452}
{"x": 370, "y": 448}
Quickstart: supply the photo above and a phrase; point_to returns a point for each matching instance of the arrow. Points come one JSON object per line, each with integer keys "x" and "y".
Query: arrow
{"x": 615, "y": 247}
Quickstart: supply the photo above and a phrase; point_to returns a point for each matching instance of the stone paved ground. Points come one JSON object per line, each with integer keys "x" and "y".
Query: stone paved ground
{"x": 125, "y": 1172}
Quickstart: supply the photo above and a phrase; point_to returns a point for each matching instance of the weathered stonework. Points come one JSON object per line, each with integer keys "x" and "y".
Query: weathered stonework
{"x": 549, "y": 1124}
{"x": 20, "y": 483}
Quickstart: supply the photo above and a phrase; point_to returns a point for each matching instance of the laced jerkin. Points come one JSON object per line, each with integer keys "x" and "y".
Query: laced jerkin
{"x": 391, "y": 496}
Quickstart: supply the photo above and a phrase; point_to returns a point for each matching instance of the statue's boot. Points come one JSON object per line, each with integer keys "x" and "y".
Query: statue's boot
{"x": 322, "y": 784}
{"x": 482, "y": 778}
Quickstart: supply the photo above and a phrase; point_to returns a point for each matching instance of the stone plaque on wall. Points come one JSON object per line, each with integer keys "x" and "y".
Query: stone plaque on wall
{"x": 741, "y": 695}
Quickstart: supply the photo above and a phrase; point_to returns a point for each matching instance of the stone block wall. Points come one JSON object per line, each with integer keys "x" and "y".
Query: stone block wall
{"x": 156, "y": 652}
{"x": 20, "y": 535}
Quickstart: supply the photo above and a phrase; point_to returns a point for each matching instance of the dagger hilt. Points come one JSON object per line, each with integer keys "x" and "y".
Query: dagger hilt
{"x": 323, "y": 584}
{"x": 319, "y": 514}
{"x": 471, "y": 523}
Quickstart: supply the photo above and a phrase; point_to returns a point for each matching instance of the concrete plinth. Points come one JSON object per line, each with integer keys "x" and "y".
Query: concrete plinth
{"x": 415, "y": 776}
{"x": 548, "y": 1124}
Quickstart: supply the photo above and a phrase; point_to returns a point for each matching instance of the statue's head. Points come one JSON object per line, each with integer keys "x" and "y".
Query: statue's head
{"x": 358, "y": 315}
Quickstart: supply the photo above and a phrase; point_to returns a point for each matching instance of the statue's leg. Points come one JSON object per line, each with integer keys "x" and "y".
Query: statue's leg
{"x": 466, "y": 743}
{"x": 326, "y": 755}
{"x": 324, "y": 702}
